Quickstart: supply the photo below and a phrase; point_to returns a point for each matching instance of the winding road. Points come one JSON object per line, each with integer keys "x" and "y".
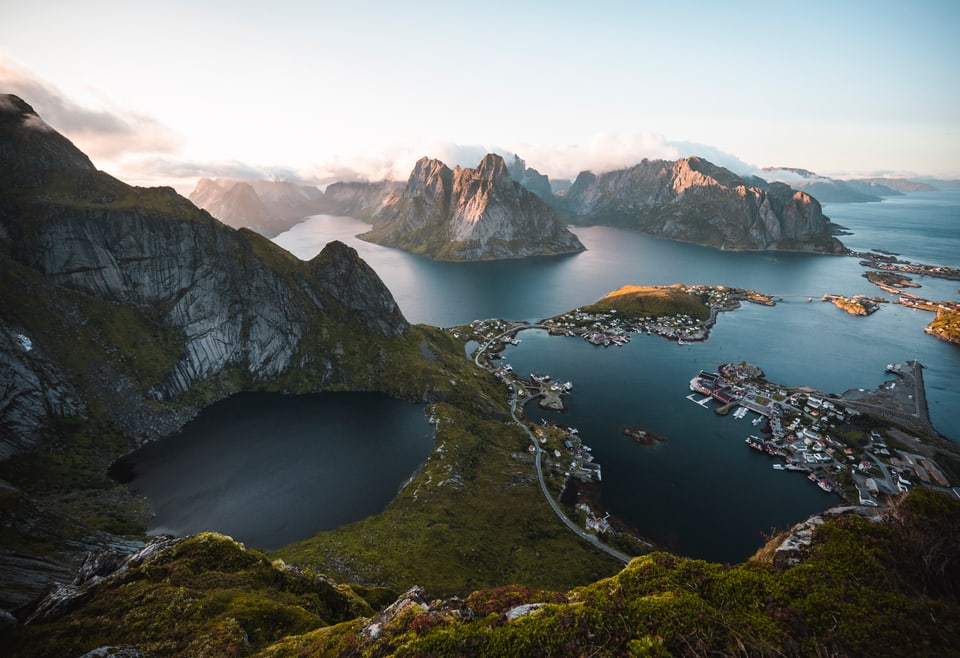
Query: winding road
{"x": 583, "y": 534}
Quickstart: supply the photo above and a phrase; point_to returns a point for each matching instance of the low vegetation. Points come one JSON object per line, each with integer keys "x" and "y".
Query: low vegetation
{"x": 651, "y": 301}
{"x": 474, "y": 517}
{"x": 946, "y": 326}
{"x": 862, "y": 587}
{"x": 203, "y": 596}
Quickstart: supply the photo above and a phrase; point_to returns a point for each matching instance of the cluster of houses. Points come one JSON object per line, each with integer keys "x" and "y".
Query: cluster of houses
{"x": 606, "y": 328}
{"x": 838, "y": 449}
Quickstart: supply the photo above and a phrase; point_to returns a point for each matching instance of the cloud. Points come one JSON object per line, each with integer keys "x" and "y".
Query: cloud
{"x": 599, "y": 154}
{"x": 102, "y": 134}
{"x": 183, "y": 173}
{"x": 717, "y": 157}
{"x": 141, "y": 150}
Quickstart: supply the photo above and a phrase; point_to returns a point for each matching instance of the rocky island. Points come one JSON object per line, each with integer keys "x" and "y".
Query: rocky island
{"x": 856, "y": 305}
{"x": 693, "y": 200}
{"x": 946, "y": 326}
{"x": 470, "y": 214}
{"x": 642, "y": 436}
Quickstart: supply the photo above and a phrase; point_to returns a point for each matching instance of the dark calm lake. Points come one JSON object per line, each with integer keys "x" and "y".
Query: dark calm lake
{"x": 269, "y": 469}
{"x": 703, "y": 492}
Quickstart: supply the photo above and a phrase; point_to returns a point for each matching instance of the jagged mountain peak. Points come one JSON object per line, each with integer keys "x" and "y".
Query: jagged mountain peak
{"x": 470, "y": 214}
{"x": 492, "y": 166}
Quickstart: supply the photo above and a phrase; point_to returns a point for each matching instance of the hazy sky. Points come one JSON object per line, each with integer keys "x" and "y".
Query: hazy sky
{"x": 161, "y": 92}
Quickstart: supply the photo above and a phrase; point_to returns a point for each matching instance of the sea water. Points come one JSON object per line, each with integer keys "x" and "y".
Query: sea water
{"x": 702, "y": 492}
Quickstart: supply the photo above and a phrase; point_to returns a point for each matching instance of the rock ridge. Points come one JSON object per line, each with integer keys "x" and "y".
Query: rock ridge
{"x": 470, "y": 214}
{"x": 233, "y": 298}
{"x": 693, "y": 200}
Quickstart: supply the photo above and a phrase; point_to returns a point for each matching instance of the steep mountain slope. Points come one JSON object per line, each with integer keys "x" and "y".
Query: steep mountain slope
{"x": 696, "y": 201}
{"x": 123, "y": 310}
{"x": 267, "y": 207}
{"x": 470, "y": 214}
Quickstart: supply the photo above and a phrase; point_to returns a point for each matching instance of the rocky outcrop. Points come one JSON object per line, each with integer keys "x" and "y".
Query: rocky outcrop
{"x": 470, "y": 214}
{"x": 98, "y": 567}
{"x": 267, "y": 207}
{"x": 793, "y": 546}
{"x": 33, "y": 391}
{"x": 695, "y": 201}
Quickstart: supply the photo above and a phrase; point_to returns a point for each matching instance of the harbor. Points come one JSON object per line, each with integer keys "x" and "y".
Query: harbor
{"x": 742, "y": 392}
{"x": 833, "y": 439}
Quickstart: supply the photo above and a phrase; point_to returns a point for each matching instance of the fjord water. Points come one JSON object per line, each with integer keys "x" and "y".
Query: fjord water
{"x": 269, "y": 469}
{"x": 703, "y": 492}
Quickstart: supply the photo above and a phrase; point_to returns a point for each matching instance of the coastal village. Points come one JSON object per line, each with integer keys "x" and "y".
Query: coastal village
{"x": 862, "y": 446}
{"x": 836, "y": 441}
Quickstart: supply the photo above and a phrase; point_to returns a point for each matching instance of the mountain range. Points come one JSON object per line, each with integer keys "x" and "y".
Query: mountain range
{"x": 487, "y": 212}
{"x": 124, "y": 310}
{"x": 694, "y": 200}
{"x": 854, "y": 190}
{"x": 689, "y": 199}
{"x": 267, "y": 207}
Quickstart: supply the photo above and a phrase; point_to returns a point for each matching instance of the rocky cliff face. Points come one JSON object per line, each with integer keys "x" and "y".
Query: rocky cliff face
{"x": 122, "y": 308}
{"x": 470, "y": 214}
{"x": 695, "y": 201}
{"x": 267, "y": 207}
{"x": 232, "y": 299}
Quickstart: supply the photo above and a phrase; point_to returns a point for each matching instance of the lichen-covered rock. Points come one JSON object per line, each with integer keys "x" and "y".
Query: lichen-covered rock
{"x": 793, "y": 547}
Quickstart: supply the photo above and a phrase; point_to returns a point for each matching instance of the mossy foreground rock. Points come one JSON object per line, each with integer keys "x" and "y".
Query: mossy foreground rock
{"x": 864, "y": 587}
{"x": 206, "y": 595}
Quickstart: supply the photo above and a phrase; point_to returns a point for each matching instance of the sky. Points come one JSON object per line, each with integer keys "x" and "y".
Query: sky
{"x": 164, "y": 93}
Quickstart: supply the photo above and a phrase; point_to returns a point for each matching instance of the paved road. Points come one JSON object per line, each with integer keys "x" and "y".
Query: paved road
{"x": 623, "y": 557}
{"x": 583, "y": 534}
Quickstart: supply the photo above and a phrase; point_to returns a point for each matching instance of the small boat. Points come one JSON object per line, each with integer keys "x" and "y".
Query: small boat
{"x": 778, "y": 467}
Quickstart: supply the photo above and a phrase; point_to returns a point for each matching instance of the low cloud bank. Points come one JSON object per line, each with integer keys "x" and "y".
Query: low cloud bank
{"x": 143, "y": 151}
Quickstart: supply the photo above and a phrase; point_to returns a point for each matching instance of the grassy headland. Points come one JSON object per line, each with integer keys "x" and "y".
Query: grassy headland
{"x": 648, "y": 301}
